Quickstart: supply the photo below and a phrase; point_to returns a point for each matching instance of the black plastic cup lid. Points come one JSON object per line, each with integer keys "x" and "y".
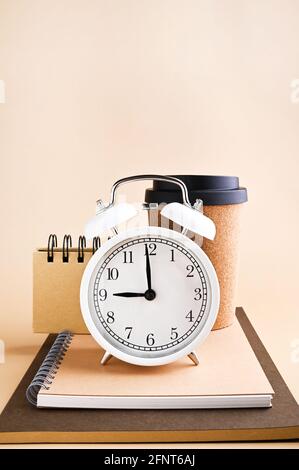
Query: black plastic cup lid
{"x": 212, "y": 190}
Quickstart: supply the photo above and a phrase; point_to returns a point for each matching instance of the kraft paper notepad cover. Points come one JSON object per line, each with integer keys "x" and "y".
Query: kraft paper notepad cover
{"x": 56, "y": 288}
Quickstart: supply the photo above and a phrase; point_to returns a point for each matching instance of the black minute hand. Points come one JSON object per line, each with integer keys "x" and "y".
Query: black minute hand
{"x": 129, "y": 294}
{"x": 148, "y": 269}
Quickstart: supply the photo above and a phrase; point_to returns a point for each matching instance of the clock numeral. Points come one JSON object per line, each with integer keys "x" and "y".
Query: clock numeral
{"x": 150, "y": 340}
{"x": 128, "y": 330}
{"x": 128, "y": 257}
{"x": 198, "y": 294}
{"x": 103, "y": 294}
{"x": 172, "y": 255}
{"x": 190, "y": 269}
{"x": 174, "y": 334}
{"x": 151, "y": 249}
{"x": 110, "y": 317}
{"x": 112, "y": 274}
{"x": 190, "y": 316}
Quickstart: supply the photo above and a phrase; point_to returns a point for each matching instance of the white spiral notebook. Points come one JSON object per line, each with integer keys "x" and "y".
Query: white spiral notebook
{"x": 228, "y": 376}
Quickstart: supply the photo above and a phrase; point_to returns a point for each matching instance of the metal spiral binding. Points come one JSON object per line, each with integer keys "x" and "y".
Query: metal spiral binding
{"x": 81, "y": 246}
{"x": 52, "y": 243}
{"x": 47, "y": 371}
{"x": 96, "y": 243}
{"x": 66, "y": 245}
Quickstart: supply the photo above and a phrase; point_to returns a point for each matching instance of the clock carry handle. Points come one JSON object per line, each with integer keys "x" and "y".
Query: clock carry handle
{"x": 169, "y": 179}
{"x": 188, "y": 216}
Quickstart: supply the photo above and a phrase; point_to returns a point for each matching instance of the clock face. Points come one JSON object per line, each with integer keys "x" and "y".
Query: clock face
{"x": 149, "y": 296}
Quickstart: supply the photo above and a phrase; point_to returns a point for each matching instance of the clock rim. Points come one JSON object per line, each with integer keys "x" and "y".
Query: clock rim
{"x": 150, "y": 231}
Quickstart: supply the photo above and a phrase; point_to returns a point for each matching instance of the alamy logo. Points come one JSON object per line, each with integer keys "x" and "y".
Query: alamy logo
{"x": 2, "y": 352}
{"x": 295, "y": 90}
{"x": 295, "y": 351}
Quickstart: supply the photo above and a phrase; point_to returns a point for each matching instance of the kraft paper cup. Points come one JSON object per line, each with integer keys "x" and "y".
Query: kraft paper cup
{"x": 223, "y": 200}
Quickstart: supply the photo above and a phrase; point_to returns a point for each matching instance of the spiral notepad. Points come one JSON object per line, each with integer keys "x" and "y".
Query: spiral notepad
{"x": 49, "y": 366}
{"x": 71, "y": 377}
{"x": 57, "y": 273}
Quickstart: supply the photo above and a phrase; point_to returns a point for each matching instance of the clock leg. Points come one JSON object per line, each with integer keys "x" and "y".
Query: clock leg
{"x": 194, "y": 358}
{"x": 107, "y": 356}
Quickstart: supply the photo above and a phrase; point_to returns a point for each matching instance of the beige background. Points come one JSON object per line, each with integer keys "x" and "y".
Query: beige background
{"x": 102, "y": 89}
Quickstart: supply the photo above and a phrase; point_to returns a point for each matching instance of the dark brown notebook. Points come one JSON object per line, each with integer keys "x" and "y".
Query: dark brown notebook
{"x": 22, "y": 423}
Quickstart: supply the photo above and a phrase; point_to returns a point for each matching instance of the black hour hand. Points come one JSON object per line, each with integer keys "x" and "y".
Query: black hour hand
{"x": 129, "y": 294}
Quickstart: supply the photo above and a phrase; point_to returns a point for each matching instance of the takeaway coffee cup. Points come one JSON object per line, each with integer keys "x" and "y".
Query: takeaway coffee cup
{"x": 222, "y": 201}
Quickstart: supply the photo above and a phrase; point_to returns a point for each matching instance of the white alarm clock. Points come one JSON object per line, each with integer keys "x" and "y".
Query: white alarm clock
{"x": 150, "y": 295}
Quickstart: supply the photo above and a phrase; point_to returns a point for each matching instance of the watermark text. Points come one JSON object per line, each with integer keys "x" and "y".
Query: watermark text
{"x": 294, "y": 91}
{"x": 295, "y": 351}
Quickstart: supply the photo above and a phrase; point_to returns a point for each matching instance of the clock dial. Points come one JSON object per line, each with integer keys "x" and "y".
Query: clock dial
{"x": 149, "y": 296}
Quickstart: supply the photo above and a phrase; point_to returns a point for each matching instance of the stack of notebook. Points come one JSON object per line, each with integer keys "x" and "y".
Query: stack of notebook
{"x": 235, "y": 393}
{"x": 229, "y": 376}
